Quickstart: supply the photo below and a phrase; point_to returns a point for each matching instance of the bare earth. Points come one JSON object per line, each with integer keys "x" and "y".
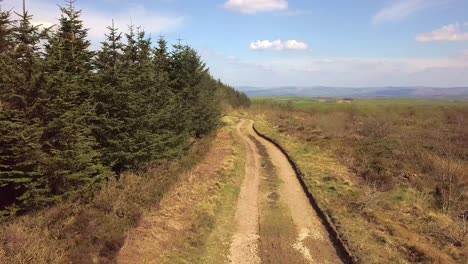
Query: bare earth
{"x": 244, "y": 246}
{"x": 311, "y": 238}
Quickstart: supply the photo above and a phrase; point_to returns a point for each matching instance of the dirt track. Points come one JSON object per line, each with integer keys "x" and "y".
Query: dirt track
{"x": 273, "y": 220}
{"x": 244, "y": 246}
{"x": 301, "y": 237}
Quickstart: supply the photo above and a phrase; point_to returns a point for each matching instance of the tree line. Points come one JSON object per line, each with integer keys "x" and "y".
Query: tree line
{"x": 71, "y": 117}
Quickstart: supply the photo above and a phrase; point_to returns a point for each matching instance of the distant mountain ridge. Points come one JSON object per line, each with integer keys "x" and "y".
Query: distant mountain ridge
{"x": 367, "y": 92}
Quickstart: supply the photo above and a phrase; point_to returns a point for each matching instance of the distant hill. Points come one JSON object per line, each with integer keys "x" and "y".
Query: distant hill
{"x": 368, "y": 92}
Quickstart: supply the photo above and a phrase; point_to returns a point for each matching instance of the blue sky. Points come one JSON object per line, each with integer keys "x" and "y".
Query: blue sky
{"x": 300, "y": 42}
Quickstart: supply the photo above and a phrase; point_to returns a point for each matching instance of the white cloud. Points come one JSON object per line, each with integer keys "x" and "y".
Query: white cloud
{"x": 452, "y": 32}
{"x": 255, "y": 6}
{"x": 295, "y": 45}
{"x": 278, "y": 45}
{"x": 47, "y": 13}
{"x": 266, "y": 45}
{"x": 401, "y": 9}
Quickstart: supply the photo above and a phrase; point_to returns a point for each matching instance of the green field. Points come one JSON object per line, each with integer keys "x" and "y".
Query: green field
{"x": 324, "y": 104}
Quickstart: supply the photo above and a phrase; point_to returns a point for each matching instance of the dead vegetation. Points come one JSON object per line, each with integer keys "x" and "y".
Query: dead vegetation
{"x": 92, "y": 231}
{"x": 402, "y": 194}
{"x": 179, "y": 227}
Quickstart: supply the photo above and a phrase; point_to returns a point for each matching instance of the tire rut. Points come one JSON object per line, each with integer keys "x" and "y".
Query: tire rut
{"x": 244, "y": 245}
{"x": 311, "y": 240}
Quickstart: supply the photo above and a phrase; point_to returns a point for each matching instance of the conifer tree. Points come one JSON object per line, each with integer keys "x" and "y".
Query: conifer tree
{"x": 231, "y": 97}
{"x": 168, "y": 138}
{"x": 69, "y": 116}
{"x": 21, "y": 180}
{"x": 68, "y": 56}
{"x": 168, "y": 103}
{"x": 180, "y": 86}
{"x": 161, "y": 56}
{"x": 206, "y": 111}
{"x": 6, "y": 31}
{"x": 150, "y": 130}
{"x": 26, "y": 71}
{"x": 112, "y": 102}
{"x": 193, "y": 85}
{"x": 73, "y": 161}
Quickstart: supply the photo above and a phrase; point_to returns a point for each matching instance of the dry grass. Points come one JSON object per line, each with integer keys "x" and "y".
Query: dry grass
{"x": 393, "y": 217}
{"x": 185, "y": 215}
{"x": 29, "y": 245}
{"x": 194, "y": 222}
{"x": 217, "y": 244}
{"x": 92, "y": 231}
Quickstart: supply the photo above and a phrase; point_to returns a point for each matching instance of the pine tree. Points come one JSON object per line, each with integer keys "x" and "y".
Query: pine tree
{"x": 230, "y": 97}
{"x": 207, "y": 111}
{"x": 73, "y": 161}
{"x": 161, "y": 57}
{"x": 6, "y": 49}
{"x": 151, "y": 133}
{"x": 112, "y": 102}
{"x": 69, "y": 116}
{"x": 169, "y": 138}
{"x": 180, "y": 86}
{"x": 21, "y": 180}
{"x": 68, "y": 56}
{"x": 6, "y": 31}
{"x": 197, "y": 92}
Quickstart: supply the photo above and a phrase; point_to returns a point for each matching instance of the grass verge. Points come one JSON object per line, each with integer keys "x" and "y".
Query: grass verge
{"x": 212, "y": 222}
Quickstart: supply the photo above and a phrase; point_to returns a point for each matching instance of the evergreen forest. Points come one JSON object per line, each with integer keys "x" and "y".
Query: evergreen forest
{"x": 72, "y": 117}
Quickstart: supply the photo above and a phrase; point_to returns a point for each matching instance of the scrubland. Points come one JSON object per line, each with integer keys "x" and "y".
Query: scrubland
{"x": 391, "y": 174}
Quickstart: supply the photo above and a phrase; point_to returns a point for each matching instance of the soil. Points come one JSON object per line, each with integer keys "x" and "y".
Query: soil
{"x": 310, "y": 239}
{"x": 244, "y": 245}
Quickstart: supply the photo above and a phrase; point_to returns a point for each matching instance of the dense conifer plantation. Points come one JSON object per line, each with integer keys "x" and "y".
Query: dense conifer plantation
{"x": 71, "y": 117}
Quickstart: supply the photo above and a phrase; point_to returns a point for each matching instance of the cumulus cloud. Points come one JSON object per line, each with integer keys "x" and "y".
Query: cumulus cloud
{"x": 401, "y": 9}
{"x": 278, "y": 45}
{"x": 452, "y": 32}
{"x": 255, "y": 6}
